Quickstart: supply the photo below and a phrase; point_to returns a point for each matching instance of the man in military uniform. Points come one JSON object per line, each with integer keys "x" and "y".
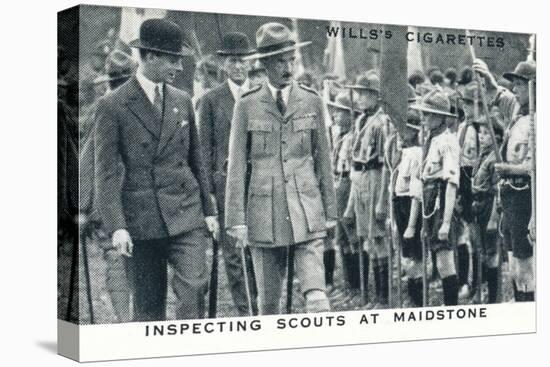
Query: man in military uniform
{"x": 346, "y": 236}
{"x": 370, "y": 182}
{"x": 280, "y": 193}
{"x": 440, "y": 177}
{"x": 215, "y": 111}
{"x": 514, "y": 171}
{"x": 157, "y": 209}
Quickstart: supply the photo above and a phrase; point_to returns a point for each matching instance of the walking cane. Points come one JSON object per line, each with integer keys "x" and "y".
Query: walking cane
{"x": 213, "y": 287}
{"x": 290, "y": 278}
{"x": 246, "y": 284}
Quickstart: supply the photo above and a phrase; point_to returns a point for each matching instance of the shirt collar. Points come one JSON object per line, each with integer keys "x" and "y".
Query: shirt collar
{"x": 285, "y": 91}
{"x": 148, "y": 86}
{"x": 237, "y": 90}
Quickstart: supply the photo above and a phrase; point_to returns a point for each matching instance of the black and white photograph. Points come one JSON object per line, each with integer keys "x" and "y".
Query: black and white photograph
{"x": 235, "y": 167}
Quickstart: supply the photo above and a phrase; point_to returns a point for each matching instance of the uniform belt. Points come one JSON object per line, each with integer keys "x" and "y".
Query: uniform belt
{"x": 517, "y": 180}
{"x": 344, "y": 174}
{"x": 360, "y": 166}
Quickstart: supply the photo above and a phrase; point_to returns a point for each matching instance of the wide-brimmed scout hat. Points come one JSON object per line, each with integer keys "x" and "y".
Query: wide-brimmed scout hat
{"x": 367, "y": 81}
{"x": 435, "y": 102}
{"x": 525, "y": 70}
{"x": 235, "y": 44}
{"x": 161, "y": 35}
{"x": 342, "y": 102}
{"x": 273, "y": 39}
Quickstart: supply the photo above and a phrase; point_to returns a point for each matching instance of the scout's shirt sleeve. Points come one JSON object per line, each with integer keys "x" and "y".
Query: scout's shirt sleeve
{"x": 321, "y": 158}
{"x": 108, "y": 176}
{"x": 415, "y": 171}
{"x": 449, "y": 152}
{"x": 237, "y": 167}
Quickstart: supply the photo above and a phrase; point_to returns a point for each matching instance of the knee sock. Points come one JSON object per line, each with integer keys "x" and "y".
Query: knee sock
{"x": 463, "y": 264}
{"x": 376, "y": 273}
{"x": 435, "y": 273}
{"x": 517, "y": 296}
{"x": 366, "y": 264}
{"x": 475, "y": 273}
{"x": 492, "y": 284}
{"x": 528, "y": 296}
{"x": 383, "y": 269}
{"x": 353, "y": 263}
{"x": 450, "y": 290}
{"x": 414, "y": 287}
{"x": 329, "y": 257}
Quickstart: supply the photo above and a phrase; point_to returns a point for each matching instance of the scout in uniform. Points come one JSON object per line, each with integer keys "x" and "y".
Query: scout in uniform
{"x": 370, "y": 181}
{"x": 407, "y": 197}
{"x": 346, "y": 236}
{"x": 484, "y": 208}
{"x": 280, "y": 192}
{"x": 514, "y": 171}
{"x": 440, "y": 180}
{"x": 215, "y": 111}
{"x": 469, "y": 152}
{"x": 157, "y": 209}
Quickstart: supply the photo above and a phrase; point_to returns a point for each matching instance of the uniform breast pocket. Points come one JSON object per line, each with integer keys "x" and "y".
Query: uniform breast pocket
{"x": 261, "y": 135}
{"x": 434, "y": 167}
{"x": 303, "y": 129}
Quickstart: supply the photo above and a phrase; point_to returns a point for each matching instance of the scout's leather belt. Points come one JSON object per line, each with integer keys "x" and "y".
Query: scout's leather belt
{"x": 360, "y": 166}
{"x": 344, "y": 174}
{"x": 517, "y": 180}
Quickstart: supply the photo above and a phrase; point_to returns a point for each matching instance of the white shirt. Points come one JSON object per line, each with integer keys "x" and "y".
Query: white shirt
{"x": 285, "y": 91}
{"x": 238, "y": 90}
{"x": 148, "y": 86}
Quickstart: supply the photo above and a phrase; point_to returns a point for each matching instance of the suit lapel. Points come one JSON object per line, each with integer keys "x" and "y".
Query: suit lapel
{"x": 172, "y": 118}
{"x": 227, "y": 102}
{"x": 141, "y": 107}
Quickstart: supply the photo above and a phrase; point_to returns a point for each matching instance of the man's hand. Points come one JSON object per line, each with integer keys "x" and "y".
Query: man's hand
{"x": 331, "y": 224}
{"x": 409, "y": 233}
{"x": 481, "y": 67}
{"x": 122, "y": 242}
{"x": 240, "y": 233}
{"x": 443, "y": 233}
{"x": 213, "y": 226}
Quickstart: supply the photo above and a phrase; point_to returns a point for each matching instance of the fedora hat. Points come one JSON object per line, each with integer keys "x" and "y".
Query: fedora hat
{"x": 273, "y": 39}
{"x": 161, "y": 35}
{"x": 525, "y": 70}
{"x": 235, "y": 44}
{"x": 435, "y": 102}
{"x": 367, "y": 81}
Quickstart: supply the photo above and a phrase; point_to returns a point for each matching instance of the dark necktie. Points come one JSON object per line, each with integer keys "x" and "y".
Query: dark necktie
{"x": 280, "y": 102}
{"x": 157, "y": 102}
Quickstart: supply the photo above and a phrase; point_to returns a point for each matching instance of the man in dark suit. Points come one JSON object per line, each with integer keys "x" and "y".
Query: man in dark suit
{"x": 215, "y": 111}
{"x": 155, "y": 206}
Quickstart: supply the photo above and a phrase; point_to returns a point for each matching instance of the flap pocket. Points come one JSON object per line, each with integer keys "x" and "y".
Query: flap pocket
{"x": 304, "y": 123}
{"x": 260, "y": 125}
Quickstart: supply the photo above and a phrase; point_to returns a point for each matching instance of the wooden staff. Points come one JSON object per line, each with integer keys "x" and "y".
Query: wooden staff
{"x": 424, "y": 228}
{"x": 246, "y": 284}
